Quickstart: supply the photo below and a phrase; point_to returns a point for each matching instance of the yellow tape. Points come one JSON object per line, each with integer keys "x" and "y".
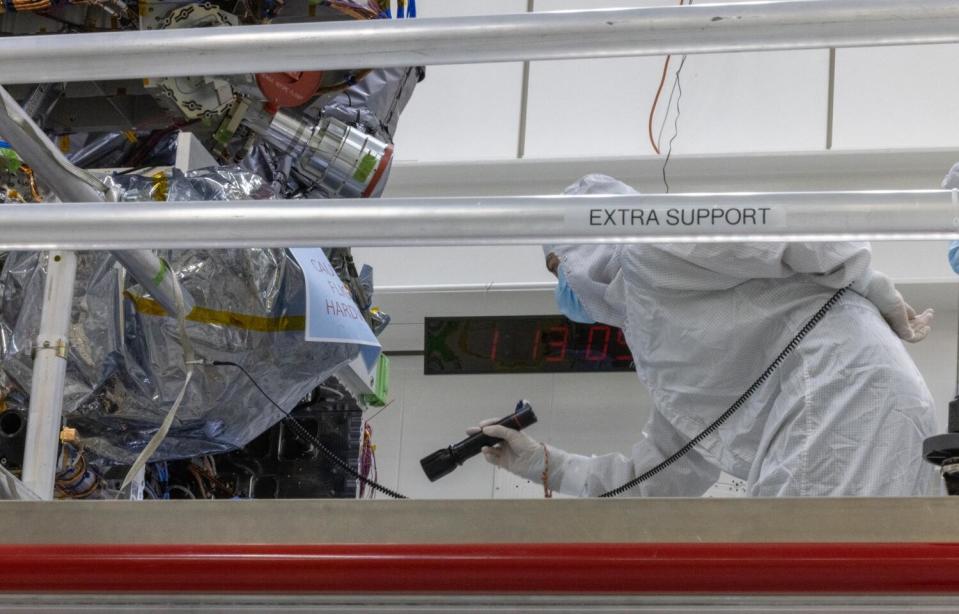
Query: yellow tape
{"x": 260, "y": 324}
{"x": 161, "y": 186}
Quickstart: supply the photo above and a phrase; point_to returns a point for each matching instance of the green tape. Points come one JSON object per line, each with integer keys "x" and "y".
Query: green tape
{"x": 161, "y": 274}
{"x": 382, "y": 387}
{"x": 11, "y": 160}
{"x": 367, "y": 164}
{"x": 223, "y": 135}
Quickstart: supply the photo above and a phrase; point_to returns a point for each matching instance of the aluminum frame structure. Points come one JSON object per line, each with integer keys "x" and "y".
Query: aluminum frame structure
{"x": 700, "y": 28}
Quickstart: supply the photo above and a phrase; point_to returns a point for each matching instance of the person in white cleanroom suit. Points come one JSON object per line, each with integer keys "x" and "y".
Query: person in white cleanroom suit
{"x": 951, "y": 182}
{"x": 845, "y": 414}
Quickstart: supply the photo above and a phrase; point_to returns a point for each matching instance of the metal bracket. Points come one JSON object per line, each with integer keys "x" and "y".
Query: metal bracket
{"x": 60, "y": 346}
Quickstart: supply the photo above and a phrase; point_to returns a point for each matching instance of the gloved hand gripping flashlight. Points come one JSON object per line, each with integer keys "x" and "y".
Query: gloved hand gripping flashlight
{"x": 445, "y": 460}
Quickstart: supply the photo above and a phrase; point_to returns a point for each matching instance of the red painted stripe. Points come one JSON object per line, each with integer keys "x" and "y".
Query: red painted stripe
{"x": 384, "y": 164}
{"x": 483, "y": 568}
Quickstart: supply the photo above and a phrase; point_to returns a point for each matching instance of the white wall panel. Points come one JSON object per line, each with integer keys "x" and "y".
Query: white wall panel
{"x": 730, "y": 103}
{"x": 752, "y": 102}
{"x": 897, "y": 97}
{"x": 914, "y": 261}
{"x": 454, "y": 265}
{"x": 936, "y": 355}
{"x": 468, "y": 112}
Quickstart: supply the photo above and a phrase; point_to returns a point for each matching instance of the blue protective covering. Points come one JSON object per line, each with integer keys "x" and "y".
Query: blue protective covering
{"x": 569, "y": 304}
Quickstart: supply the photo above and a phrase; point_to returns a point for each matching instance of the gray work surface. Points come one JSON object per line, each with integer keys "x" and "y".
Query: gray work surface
{"x": 464, "y": 521}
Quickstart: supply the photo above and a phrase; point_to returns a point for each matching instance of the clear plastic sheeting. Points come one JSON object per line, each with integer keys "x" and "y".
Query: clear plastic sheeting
{"x": 104, "y": 151}
{"x": 219, "y": 183}
{"x": 125, "y": 362}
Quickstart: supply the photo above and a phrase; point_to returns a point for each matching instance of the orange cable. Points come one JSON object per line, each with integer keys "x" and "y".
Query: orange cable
{"x": 659, "y": 91}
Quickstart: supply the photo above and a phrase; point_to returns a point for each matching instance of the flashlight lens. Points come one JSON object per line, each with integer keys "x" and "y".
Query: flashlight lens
{"x": 438, "y": 464}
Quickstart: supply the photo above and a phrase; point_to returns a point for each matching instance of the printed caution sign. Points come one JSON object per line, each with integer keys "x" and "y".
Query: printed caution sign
{"x": 678, "y": 220}
{"x": 331, "y": 314}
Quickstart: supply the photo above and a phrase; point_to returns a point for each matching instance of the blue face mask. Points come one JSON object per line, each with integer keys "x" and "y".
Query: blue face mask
{"x": 954, "y": 255}
{"x": 569, "y": 303}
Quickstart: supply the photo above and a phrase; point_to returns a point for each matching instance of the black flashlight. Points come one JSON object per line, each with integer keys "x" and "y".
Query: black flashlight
{"x": 445, "y": 460}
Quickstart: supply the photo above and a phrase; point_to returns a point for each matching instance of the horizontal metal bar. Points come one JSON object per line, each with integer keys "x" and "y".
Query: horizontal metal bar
{"x": 645, "y": 520}
{"x": 706, "y": 28}
{"x": 887, "y": 169}
{"x": 364, "y": 602}
{"x": 612, "y": 569}
{"x": 790, "y": 216}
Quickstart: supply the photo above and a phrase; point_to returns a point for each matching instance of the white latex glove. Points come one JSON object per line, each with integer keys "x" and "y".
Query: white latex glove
{"x": 904, "y": 320}
{"x": 910, "y": 326}
{"x": 518, "y": 453}
{"x": 900, "y": 316}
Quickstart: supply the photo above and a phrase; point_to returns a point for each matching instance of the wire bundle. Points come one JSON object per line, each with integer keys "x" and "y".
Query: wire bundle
{"x": 368, "y": 460}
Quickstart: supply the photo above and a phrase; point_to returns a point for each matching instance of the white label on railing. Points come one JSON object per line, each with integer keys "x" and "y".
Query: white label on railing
{"x": 676, "y": 220}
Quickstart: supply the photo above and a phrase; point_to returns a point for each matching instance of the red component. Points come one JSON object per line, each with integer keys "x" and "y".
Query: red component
{"x": 384, "y": 164}
{"x": 559, "y": 345}
{"x": 537, "y": 338}
{"x": 854, "y": 568}
{"x": 621, "y": 340}
{"x": 288, "y": 89}
{"x": 601, "y": 355}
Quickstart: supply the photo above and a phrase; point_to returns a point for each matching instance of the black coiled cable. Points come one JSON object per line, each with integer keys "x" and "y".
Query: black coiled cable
{"x": 709, "y": 430}
{"x": 306, "y": 437}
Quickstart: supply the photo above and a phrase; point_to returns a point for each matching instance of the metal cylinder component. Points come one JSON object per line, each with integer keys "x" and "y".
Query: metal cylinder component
{"x": 340, "y": 160}
{"x": 49, "y": 374}
{"x": 518, "y": 220}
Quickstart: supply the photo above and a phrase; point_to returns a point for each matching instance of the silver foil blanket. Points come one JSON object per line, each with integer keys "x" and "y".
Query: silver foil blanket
{"x": 125, "y": 363}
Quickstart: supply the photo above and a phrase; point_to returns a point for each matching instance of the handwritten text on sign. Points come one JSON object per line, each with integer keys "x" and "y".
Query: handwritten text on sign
{"x": 331, "y": 313}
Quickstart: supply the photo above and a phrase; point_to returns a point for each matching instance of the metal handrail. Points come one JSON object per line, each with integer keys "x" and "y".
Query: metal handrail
{"x": 638, "y": 218}
{"x": 705, "y": 28}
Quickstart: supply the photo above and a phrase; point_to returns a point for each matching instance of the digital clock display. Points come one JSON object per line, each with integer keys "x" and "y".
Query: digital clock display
{"x": 522, "y": 344}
